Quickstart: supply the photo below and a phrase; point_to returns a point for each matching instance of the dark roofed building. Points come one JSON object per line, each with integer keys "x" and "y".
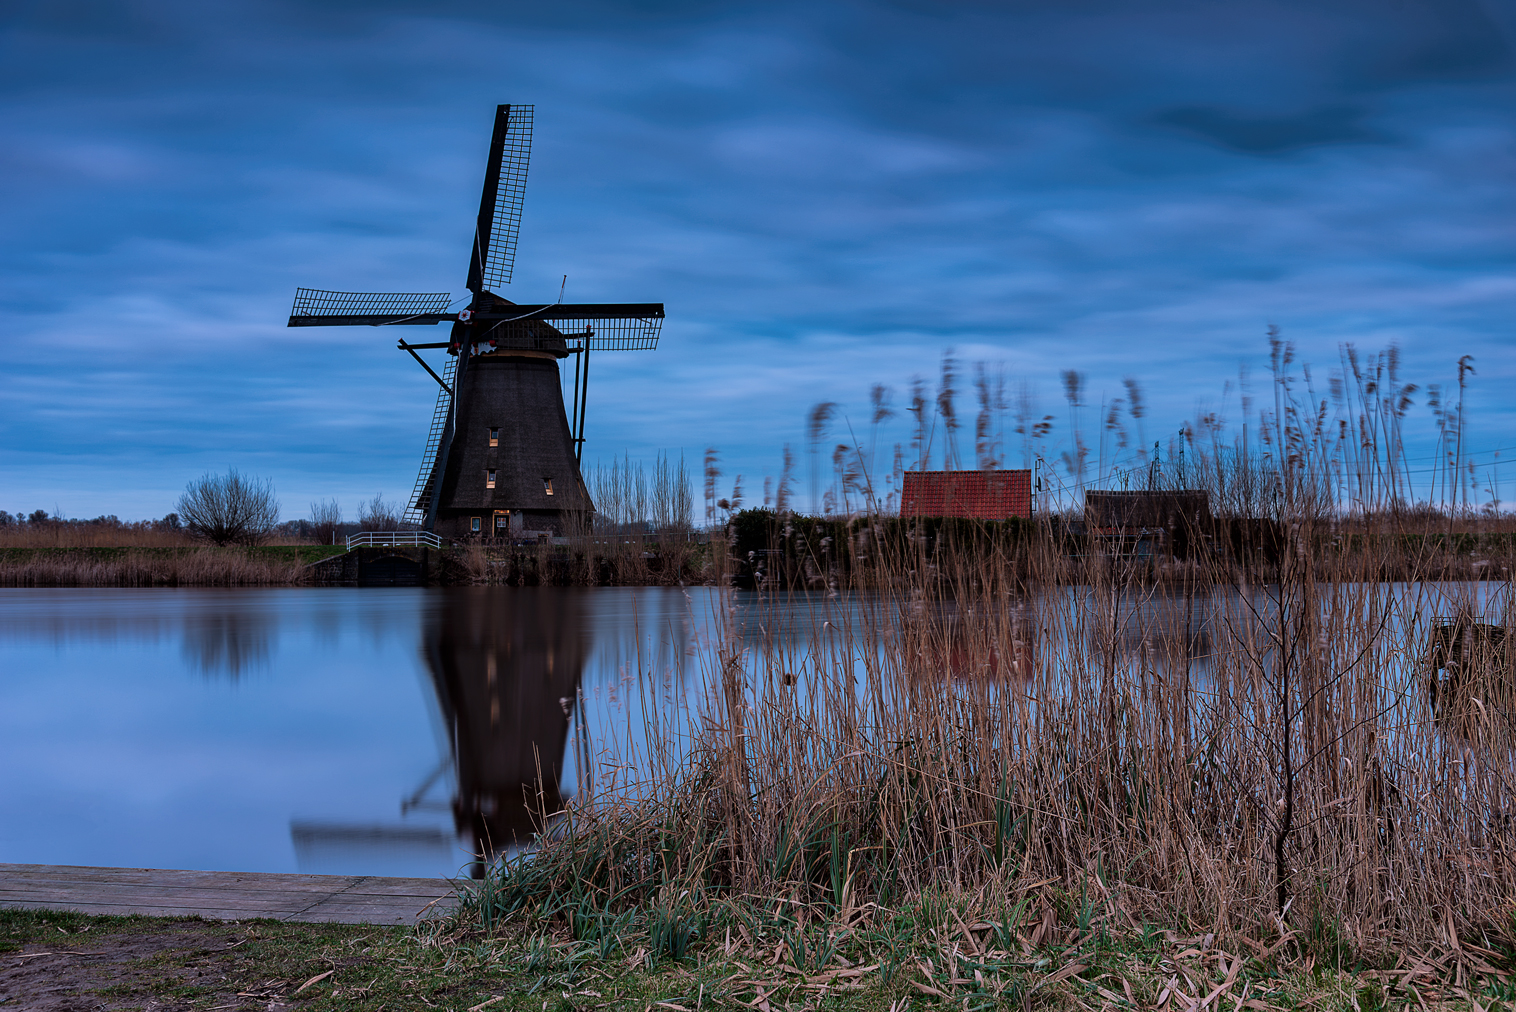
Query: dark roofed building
{"x": 1114, "y": 512}
{"x": 978, "y": 495}
{"x": 1143, "y": 522}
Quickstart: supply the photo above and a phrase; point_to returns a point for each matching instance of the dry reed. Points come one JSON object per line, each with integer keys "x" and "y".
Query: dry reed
{"x": 1043, "y": 747}
{"x": 88, "y": 535}
{"x": 1251, "y": 761}
{"x": 202, "y": 567}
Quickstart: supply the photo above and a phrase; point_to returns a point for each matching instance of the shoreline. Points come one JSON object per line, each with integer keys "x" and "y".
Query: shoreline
{"x": 219, "y": 895}
{"x": 779, "y": 571}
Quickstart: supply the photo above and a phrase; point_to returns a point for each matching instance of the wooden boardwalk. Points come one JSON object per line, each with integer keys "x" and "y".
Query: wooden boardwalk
{"x": 221, "y": 895}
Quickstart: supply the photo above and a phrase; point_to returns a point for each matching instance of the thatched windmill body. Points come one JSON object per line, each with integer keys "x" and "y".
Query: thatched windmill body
{"x": 503, "y": 452}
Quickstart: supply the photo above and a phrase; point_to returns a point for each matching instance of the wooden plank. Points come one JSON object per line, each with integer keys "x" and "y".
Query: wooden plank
{"x": 399, "y": 887}
{"x": 166, "y": 877}
{"x": 158, "y": 876}
{"x": 350, "y": 899}
{"x": 274, "y": 891}
{"x": 247, "y": 900}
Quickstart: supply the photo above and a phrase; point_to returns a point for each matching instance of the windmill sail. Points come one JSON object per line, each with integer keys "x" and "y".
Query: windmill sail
{"x": 316, "y": 308}
{"x": 494, "y": 254}
{"x": 421, "y": 495}
{"x": 603, "y": 326}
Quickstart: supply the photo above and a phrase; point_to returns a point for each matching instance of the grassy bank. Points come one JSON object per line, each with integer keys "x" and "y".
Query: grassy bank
{"x": 794, "y": 552}
{"x": 174, "y": 566}
{"x": 605, "y": 561}
{"x": 120, "y": 963}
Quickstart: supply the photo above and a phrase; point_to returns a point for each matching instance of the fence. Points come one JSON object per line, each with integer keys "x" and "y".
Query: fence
{"x": 399, "y": 538}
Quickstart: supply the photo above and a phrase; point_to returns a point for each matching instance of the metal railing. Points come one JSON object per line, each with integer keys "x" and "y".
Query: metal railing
{"x": 401, "y": 538}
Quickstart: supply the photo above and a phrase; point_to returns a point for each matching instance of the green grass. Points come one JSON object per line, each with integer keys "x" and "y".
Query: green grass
{"x": 535, "y": 967}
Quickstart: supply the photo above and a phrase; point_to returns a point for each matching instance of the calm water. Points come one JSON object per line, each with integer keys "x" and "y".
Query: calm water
{"x": 381, "y": 731}
{"x": 387, "y": 731}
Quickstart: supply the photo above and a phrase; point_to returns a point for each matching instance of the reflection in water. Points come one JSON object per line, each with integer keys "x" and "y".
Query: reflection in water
{"x": 163, "y": 767}
{"x": 230, "y": 642}
{"x": 364, "y": 848}
{"x": 506, "y": 664}
{"x": 1163, "y": 634}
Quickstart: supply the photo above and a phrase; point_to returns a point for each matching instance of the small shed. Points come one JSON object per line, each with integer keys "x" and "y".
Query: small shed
{"x": 977, "y": 495}
{"x": 1146, "y": 522}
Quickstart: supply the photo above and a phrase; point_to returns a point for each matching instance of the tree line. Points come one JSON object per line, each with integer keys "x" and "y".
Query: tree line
{"x": 230, "y": 509}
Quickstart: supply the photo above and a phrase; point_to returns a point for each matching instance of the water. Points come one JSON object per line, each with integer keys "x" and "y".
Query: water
{"x": 381, "y": 731}
{"x": 395, "y": 731}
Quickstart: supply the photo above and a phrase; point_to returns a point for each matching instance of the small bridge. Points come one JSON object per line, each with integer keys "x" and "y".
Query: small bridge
{"x": 383, "y": 559}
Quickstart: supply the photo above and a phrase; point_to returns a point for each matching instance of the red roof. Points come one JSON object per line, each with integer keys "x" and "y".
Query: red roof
{"x": 982, "y": 495}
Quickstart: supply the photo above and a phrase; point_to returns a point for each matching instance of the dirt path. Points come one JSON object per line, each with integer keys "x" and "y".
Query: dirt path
{"x": 127, "y": 970}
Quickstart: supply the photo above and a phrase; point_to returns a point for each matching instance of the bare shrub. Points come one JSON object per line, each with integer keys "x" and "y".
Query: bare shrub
{"x": 673, "y": 497}
{"x": 326, "y": 520}
{"x": 229, "y": 509}
{"x": 627, "y": 502}
{"x": 378, "y": 515}
{"x": 476, "y": 562}
{"x": 640, "y": 530}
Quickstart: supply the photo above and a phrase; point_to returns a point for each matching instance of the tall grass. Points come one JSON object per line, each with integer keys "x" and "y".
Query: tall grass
{"x": 1240, "y": 759}
{"x": 90, "y": 535}
{"x": 197, "y": 567}
{"x": 991, "y": 736}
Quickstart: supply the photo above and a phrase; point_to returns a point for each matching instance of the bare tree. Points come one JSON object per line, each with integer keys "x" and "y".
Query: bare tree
{"x": 378, "y": 515}
{"x": 326, "y": 519}
{"x": 229, "y": 509}
{"x": 673, "y": 497}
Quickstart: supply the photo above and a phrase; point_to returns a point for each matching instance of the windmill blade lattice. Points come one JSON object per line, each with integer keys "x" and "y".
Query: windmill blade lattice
{"x": 598, "y": 327}
{"x": 421, "y": 494}
{"x": 317, "y": 308}
{"x": 500, "y": 211}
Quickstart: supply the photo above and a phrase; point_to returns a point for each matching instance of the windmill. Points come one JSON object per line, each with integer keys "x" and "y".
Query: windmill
{"x": 503, "y": 452}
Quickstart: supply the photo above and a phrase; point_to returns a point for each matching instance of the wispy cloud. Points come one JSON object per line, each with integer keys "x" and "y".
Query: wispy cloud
{"x": 826, "y": 196}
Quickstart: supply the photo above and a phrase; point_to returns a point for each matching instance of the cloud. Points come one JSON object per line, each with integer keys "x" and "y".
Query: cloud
{"x": 825, "y": 196}
{"x": 1272, "y": 135}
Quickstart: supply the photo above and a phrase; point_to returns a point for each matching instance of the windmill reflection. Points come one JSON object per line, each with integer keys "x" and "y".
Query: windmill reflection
{"x": 506, "y": 664}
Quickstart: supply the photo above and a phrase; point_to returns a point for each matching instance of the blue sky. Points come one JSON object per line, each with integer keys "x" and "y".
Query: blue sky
{"x": 825, "y": 195}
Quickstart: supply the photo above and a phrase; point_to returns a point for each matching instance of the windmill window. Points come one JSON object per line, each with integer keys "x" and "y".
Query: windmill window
{"x": 489, "y": 479}
{"x": 494, "y": 437}
{"x": 547, "y": 485}
{"x": 474, "y": 524}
